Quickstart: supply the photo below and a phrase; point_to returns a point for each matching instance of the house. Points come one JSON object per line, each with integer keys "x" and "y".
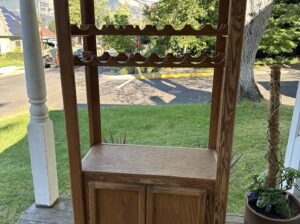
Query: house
{"x": 10, "y": 31}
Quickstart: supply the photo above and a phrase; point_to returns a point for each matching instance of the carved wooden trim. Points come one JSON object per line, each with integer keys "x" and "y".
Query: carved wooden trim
{"x": 149, "y": 30}
{"x": 137, "y": 60}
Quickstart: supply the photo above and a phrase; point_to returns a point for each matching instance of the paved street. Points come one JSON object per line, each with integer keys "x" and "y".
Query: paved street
{"x": 124, "y": 90}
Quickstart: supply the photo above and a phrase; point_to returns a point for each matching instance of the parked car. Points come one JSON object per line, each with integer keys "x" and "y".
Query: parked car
{"x": 78, "y": 53}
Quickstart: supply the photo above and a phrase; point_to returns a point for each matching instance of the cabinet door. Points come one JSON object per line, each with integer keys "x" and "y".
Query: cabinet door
{"x": 112, "y": 203}
{"x": 175, "y": 205}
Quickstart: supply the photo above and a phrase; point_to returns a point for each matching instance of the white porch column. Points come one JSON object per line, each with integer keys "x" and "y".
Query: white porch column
{"x": 40, "y": 127}
{"x": 292, "y": 157}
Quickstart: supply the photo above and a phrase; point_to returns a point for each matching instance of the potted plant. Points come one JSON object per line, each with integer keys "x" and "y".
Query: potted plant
{"x": 268, "y": 200}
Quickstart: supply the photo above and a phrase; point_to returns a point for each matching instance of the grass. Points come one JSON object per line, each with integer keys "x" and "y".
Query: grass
{"x": 12, "y": 59}
{"x": 177, "y": 125}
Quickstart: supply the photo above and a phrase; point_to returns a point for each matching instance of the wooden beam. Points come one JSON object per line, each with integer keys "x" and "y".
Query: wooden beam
{"x": 138, "y": 60}
{"x": 148, "y": 30}
{"x": 228, "y": 107}
{"x": 70, "y": 106}
{"x": 218, "y": 78}
{"x": 91, "y": 72}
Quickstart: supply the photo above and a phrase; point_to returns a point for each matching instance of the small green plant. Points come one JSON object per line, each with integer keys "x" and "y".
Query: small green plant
{"x": 273, "y": 199}
{"x": 120, "y": 140}
{"x": 268, "y": 191}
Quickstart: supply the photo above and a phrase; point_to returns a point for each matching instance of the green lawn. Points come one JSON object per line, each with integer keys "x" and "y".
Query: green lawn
{"x": 178, "y": 125}
{"x": 11, "y": 59}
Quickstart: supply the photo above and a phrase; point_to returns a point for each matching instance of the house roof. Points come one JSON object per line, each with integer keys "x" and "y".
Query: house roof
{"x": 45, "y": 33}
{"x": 10, "y": 23}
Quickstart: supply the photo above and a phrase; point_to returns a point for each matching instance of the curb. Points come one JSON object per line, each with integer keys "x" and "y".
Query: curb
{"x": 160, "y": 76}
{"x": 174, "y": 75}
{"x": 11, "y": 70}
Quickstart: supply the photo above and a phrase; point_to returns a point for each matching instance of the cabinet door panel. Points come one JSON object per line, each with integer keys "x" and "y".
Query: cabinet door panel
{"x": 112, "y": 203}
{"x": 175, "y": 205}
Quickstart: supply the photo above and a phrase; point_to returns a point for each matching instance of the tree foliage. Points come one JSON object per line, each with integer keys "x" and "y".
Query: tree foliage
{"x": 281, "y": 36}
{"x": 180, "y": 13}
{"x": 283, "y": 32}
{"x": 120, "y": 17}
{"x": 51, "y": 26}
{"x": 104, "y": 15}
{"x": 101, "y": 11}
{"x": 74, "y": 8}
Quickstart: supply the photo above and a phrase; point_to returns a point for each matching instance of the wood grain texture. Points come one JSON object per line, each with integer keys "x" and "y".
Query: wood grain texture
{"x": 149, "y": 30}
{"x": 114, "y": 203}
{"x": 167, "y": 205}
{"x": 91, "y": 74}
{"x": 146, "y": 165}
{"x": 61, "y": 213}
{"x": 218, "y": 77}
{"x": 210, "y": 211}
{"x": 70, "y": 106}
{"x": 149, "y": 162}
{"x": 228, "y": 107}
{"x": 137, "y": 60}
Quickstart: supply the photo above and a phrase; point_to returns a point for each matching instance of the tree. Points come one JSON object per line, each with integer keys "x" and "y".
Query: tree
{"x": 180, "y": 13}
{"x": 283, "y": 31}
{"x": 257, "y": 16}
{"x": 104, "y": 15}
{"x": 101, "y": 11}
{"x": 197, "y": 13}
{"x": 120, "y": 17}
{"x": 51, "y": 26}
{"x": 74, "y": 7}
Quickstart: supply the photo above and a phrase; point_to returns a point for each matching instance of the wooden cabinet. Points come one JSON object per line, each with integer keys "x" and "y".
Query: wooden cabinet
{"x": 115, "y": 203}
{"x": 129, "y": 184}
{"x": 175, "y": 205}
{"x": 112, "y": 203}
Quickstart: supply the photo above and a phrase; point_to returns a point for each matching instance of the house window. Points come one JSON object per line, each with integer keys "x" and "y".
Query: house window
{"x": 18, "y": 43}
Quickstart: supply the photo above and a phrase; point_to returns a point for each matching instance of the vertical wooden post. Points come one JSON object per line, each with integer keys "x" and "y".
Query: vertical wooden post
{"x": 218, "y": 78}
{"x": 92, "y": 79}
{"x": 70, "y": 106}
{"x": 228, "y": 106}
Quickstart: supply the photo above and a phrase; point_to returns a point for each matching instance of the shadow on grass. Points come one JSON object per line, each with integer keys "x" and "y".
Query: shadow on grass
{"x": 16, "y": 186}
{"x": 8, "y": 126}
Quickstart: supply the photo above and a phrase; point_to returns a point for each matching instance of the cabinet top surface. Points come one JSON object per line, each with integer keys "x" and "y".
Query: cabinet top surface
{"x": 198, "y": 164}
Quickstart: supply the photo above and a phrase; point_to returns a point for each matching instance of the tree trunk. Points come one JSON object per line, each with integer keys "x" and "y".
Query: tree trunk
{"x": 257, "y": 17}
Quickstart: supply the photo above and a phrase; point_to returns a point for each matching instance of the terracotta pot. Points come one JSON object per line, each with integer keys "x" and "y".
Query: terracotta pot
{"x": 252, "y": 217}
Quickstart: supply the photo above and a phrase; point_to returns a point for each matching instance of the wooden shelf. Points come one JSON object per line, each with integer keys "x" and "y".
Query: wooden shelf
{"x": 137, "y": 60}
{"x": 150, "y": 164}
{"x": 149, "y": 30}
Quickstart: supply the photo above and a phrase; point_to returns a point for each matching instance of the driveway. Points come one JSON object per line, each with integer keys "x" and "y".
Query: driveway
{"x": 124, "y": 90}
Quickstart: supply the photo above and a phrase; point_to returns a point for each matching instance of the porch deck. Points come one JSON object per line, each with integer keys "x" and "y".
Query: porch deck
{"x": 62, "y": 213}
